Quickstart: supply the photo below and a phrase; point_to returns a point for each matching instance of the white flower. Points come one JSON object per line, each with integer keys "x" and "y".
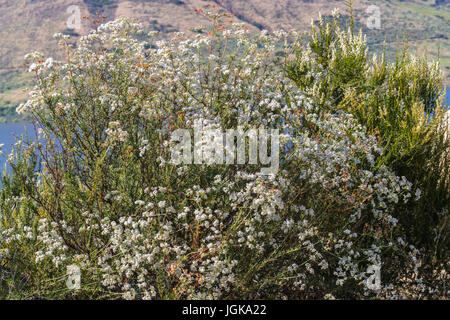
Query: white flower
{"x": 161, "y": 204}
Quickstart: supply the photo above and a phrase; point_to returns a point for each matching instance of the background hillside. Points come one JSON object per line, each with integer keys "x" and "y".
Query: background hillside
{"x": 28, "y": 25}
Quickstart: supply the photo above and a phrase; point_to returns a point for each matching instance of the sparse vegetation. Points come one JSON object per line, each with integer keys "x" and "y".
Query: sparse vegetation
{"x": 421, "y": 23}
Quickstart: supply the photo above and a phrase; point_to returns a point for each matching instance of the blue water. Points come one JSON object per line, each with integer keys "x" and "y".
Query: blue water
{"x": 8, "y": 137}
{"x": 448, "y": 96}
{"x": 8, "y": 132}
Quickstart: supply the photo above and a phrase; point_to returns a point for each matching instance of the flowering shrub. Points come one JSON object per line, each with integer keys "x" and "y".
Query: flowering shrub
{"x": 105, "y": 196}
{"x": 401, "y": 103}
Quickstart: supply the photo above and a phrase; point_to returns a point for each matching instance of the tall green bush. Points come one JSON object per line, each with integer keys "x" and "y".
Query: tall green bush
{"x": 401, "y": 103}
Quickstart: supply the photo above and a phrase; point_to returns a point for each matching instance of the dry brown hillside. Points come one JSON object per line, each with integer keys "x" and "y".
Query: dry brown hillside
{"x": 28, "y": 25}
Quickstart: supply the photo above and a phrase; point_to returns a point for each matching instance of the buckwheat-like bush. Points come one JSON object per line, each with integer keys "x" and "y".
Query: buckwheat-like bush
{"x": 97, "y": 188}
{"x": 400, "y": 102}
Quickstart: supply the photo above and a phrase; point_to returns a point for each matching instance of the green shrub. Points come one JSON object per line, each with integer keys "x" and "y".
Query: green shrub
{"x": 97, "y": 189}
{"x": 401, "y": 103}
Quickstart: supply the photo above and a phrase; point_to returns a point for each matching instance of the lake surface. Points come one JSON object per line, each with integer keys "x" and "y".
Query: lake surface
{"x": 8, "y": 137}
{"x": 9, "y": 132}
